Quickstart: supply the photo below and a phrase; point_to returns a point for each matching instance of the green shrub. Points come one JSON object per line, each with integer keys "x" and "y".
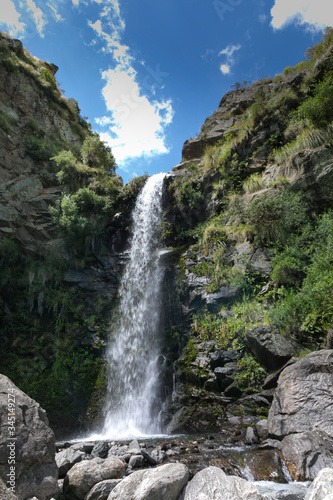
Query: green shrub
{"x": 251, "y": 374}
{"x": 318, "y": 109}
{"x": 253, "y": 184}
{"x": 96, "y": 154}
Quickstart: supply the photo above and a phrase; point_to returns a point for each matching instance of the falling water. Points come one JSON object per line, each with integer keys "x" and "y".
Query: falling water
{"x": 133, "y": 354}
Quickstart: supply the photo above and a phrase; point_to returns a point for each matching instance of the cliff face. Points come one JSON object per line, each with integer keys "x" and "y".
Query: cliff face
{"x": 251, "y": 202}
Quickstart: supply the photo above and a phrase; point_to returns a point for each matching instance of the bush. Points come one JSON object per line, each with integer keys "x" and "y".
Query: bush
{"x": 318, "y": 109}
{"x": 251, "y": 374}
{"x": 95, "y": 153}
{"x": 253, "y": 184}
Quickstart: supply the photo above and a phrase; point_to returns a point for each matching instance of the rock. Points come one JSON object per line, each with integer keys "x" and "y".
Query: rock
{"x": 322, "y": 486}
{"x": 329, "y": 339}
{"x": 270, "y": 349}
{"x": 102, "y": 490}
{"x": 66, "y": 459}
{"x": 164, "y": 482}
{"x": 223, "y": 295}
{"x": 262, "y": 429}
{"x": 306, "y": 453}
{"x": 272, "y": 379}
{"x": 136, "y": 461}
{"x": 134, "y": 448}
{"x": 5, "y": 493}
{"x": 83, "y": 476}
{"x": 250, "y": 437}
{"x": 85, "y": 446}
{"x": 148, "y": 457}
{"x": 100, "y": 450}
{"x": 232, "y": 391}
{"x": 36, "y": 471}
{"x": 303, "y": 398}
{"x": 220, "y": 358}
{"x": 213, "y": 484}
{"x": 269, "y": 444}
{"x": 261, "y": 261}
{"x": 225, "y": 376}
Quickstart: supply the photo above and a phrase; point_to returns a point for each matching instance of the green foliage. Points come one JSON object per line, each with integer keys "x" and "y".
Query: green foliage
{"x": 39, "y": 148}
{"x": 253, "y": 184}
{"x": 49, "y": 78}
{"x": 96, "y": 154}
{"x": 211, "y": 327}
{"x": 251, "y": 374}
{"x": 318, "y": 109}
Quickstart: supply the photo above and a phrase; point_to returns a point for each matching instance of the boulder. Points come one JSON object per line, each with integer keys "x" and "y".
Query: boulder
{"x": 65, "y": 460}
{"x": 225, "y": 376}
{"x": 166, "y": 481}
{"x": 262, "y": 429}
{"x": 306, "y": 453}
{"x": 220, "y": 358}
{"x": 102, "y": 490}
{"x": 83, "y": 476}
{"x": 30, "y": 442}
{"x": 100, "y": 450}
{"x": 322, "y": 486}
{"x": 213, "y": 484}
{"x": 303, "y": 398}
{"x": 270, "y": 349}
{"x": 136, "y": 461}
{"x": 261, "y": 261}
{"x": 5, "y": 493}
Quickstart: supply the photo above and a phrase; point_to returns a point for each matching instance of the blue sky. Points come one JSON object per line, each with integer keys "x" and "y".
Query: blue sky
{"x": 147, "y": 73}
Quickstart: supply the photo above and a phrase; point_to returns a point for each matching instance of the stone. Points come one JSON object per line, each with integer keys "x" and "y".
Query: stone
{"x": 213, "y": 484}
{"x": 250, "y": 437}
{"x": 322, "y": 486}
{"x": 5, "y": 493}
{"x": 136, "y": 461}
{"x": 220, "y": 358}
{"x": 271, "y": 380}
{"x": 223, "y": 295}
{"x": 36, "y": 472}
{"x": 270, "y": 349}
{"x": 329, "y": 339}
{"x": 306, "y": 453}
{"x": 66, "y": 459}
{"x": 83, "y": 476}
{"x": 100, "y": 450}
{"x": 262, "y": 429}
{"x": 102, "y": 490}
{"x": 151, "y": 460}
{"x": 134, "y": 448}
{"x": 261, "y": 261}
{"x": 303, "y": 398}
{"x": 225, "y": 376}
{"x": 163, "y": 482}
{"x": 85, "y": 446}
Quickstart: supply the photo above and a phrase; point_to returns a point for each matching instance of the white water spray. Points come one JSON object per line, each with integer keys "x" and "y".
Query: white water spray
{"x": 133, "y": 354}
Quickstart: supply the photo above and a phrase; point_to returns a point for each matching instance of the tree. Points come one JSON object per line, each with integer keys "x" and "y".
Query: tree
{"x": 95, "y": 153}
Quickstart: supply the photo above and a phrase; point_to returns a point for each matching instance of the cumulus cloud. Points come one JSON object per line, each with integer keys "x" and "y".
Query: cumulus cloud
{"x": 37, "y": 15}
{"x": 137, "y": 123}
{"x": 228, "y": 52}
{"x": 316, "y": 14}
{"x": 10, "y": 18}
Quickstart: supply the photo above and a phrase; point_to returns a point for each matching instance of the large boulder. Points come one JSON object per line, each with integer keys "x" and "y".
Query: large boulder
{"x": 303, "y": 398}
{"x": 28, "y": 442}
{"x": 269, "y": 348}
{"x": 65, "y": 460}
{"x": 306, "y": 453}
{"x": 213, "y": 484}
{"x": 83, "y": 476}
{"x": 322, "y": 486}
{"x": 166, "y": 481}
{"x": 5, "y": 493}
{"x": 102, "y": 490}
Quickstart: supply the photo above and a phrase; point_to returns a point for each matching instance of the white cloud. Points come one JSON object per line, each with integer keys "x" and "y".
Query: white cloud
{"x": 37, "y": 15}
{"x": 138, "y": 125}
{"x": 11, "y": 18}
{"x": 315, "y": 13}
{"x": 228, "y": 52}
{"x": 225, "y": 69}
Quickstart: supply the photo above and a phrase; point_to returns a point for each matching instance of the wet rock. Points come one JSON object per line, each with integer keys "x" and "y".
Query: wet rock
{"x": 322, "y": 486}
{"x": 165, "y": 481}
{"x": 102, "y": 490}
{"x": 100, "y": 450}
{"x": 34, "y": 448}
{"x": 250, "y": 437}
{"x": 66, "y": 459}
{"x": 213, "y": 484}
{"x": 306, "y": 453}
{"x": 271, "y": 349}
{"x": 303, "y": 398}
{"x": 83, "y": 476}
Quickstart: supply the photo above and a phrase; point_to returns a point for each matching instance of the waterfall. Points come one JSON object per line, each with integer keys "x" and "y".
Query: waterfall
{"x": 133, "y": 354}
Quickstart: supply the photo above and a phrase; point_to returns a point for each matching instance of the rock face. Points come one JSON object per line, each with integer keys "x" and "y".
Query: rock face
{"x": 213, "y": 484}
{"x": 166, "y": 481}
{"x": 84, "y": 475}
{"x": 322, "y": 486}
{"x": 303, "y": 398}
{"x": 66, "y": 459}
{"x": 272, "y": 350}
{"x": 5, "y": 493}
{"x": 33, "y": 449}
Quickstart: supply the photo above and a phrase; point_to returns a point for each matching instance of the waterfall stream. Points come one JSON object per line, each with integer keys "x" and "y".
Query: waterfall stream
{"x": 133, "y": 355}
